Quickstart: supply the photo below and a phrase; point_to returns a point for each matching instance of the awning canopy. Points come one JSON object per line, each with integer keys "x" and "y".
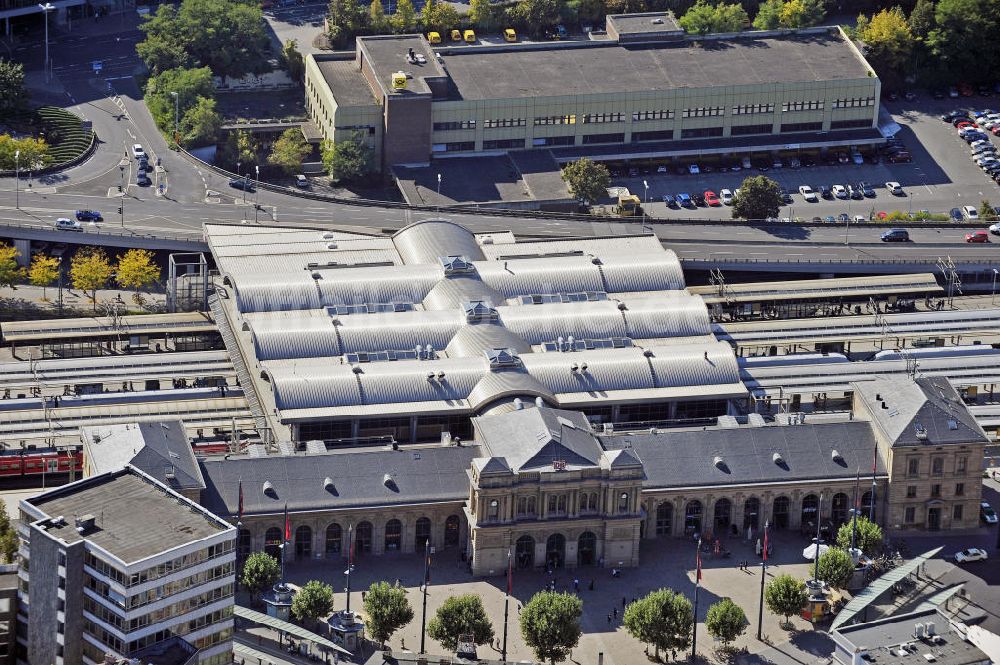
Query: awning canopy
{"x": 879, "y": 586}
{"x": 290, "y": 628}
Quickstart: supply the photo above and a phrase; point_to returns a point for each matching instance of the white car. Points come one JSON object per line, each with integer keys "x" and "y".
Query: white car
{"x": 694, "y": 170}
{"x": 137, "y": 151}
{"x": 726, "y": 197}
{"x": 839, "y": 191}
{"x": 66, "y": 224}
{"x": 661, "y": 169}
{"x": 995, "y": 229}
{"x": 894, "y": 188}
{"x": 971, "y": 554}
{"x": 985, "y": 159}
{"x": 808, "y": 193}
{"x": 860, "y": 218}
{"x": 985, "y": 509}
{"x": 970, "y": 212}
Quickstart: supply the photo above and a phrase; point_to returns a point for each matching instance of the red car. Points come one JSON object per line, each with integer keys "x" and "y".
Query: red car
{"x": 966, "y": 90}
{"x": 977, "y": 236}
{"x": 966, "y": 123}
{"x": 711, "y": 199}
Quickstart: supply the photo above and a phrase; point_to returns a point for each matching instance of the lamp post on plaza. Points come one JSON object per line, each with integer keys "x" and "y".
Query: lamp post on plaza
{"x": 46, "y": 8}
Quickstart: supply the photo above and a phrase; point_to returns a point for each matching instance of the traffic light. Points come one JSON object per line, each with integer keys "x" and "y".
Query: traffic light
{"x": 119, "y": 188}
{"x": 119, "y": 210}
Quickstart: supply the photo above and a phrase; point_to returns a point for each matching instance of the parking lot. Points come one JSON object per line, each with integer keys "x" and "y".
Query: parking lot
{"x": 941, "y": 175}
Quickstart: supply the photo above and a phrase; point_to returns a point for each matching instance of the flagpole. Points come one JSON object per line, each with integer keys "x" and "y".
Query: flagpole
{"x": 857, "y": 509}
{"x": 763, "y": 576}
{"x": 350, "y": 562}
{"x": 697, "y": 586}
{"x": 427, "y": 570}
{"x": 239, "y": 532}
{"x": 284, "y": 543}
{"x": 506, "y": 605}
{"x": 871, "y": 506}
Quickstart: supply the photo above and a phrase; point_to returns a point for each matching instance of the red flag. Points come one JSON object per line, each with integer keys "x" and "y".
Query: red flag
{"x": 697, "y": 579}
{"x": 239, "y": 514}
{"x": 510, "y": 573}
{"x": 765, "y": 541}
{"x": 288, "y": 525}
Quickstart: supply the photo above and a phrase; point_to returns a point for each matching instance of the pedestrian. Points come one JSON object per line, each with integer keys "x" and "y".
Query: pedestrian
{"x": 363, "y": 594}
{"x": 591, "y": 585}
{"x": 576, "y": 584}
{"x": 615, "y": 612}
{"x": 609, "y": 618}
{"x": 623, "y": 602}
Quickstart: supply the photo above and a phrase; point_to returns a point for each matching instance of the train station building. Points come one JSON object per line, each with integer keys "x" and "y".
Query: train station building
{"x": 645, "y": 90}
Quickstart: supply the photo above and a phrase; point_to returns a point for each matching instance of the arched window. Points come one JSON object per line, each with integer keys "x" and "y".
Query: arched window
{"x": 451, "y": 531}
{"x": 334, "y": 539}
{"x": 810, "y": 512}
{"x": 303, "y": 542}
{"x": 692, "y": 517}
{"x": 393, "y": 535}
{"x": 272, "y": 541}
{"x": 780, "y": 512}
{"x": 422, "y": 534}
{"x": 363, "y": 538}
{"x": 664, "y": 519}
{"x": 839, "y": 508}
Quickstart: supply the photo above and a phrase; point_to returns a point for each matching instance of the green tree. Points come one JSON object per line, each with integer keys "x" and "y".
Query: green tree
{"x": 13, "y": 94}
{"x": 9, "y": 543}
{"x": 986, "y": 210}
{"x": 537, "y": 15}
{"x": 43, "y": 271}
{"x": 313, "y": 601}
{"x": 377, "y": 20}
{"x": 90, "y": 270}
{"x": 725, "y": 621}
{"x": 759, "y": 198}
{"x": 481, "y": 14}
{"x": 440, "y": 16}
{"x": 10, "y": 272}
{"x": 405, "y": 18}
{"x": 550, "y": 624}
{"x": 964, "y": 39}
{"x": 289, "y": 150}
{"x": 591, "y": 12}
{"x": 768, "y": 15}
{"x": 922, "y": 18}
{"x": 261, "y": 571}
{"x": 730, "y": 18}
{"x": 348, "y": 159}
{"x": 587, "y": 180}
{"x": 201, "y": 123}
{"x": 230, "y": 38}
{"x": 344, "y": 18}
{"x": 137, "y": 269}
{"x": 294, "y": 62}
{"x": 869, "y": 539}
{"x": 888, "y": 37}
{"x": 387, "y": 610}
{"x": 802, "y": 13}
{"x": 460, "y": 615}
{"x": 785, "y": 595}
{"x": 34, "y": 153}
{"x": 836, "y": 567}
{"x": 700, "y": 19}
{"x": 662, "y": 618}
{"x": 191, "y": 85}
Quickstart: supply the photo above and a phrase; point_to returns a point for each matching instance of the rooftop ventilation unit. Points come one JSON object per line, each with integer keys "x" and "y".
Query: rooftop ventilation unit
{"x": 85, "y": 523}
{"x": 918, "y": 630}
{"x": 920, "y": 431}
{"x": 778, "y": 459}
{"x": 728, "y": 422}
{"x": 539, "y": 402}
{"x": 930, "y": 628}
{"x": 328, "y": 484}
{"x": 456, "y": 265}
{"x": 503, "y": 357}
{"x": 756, "y": 420}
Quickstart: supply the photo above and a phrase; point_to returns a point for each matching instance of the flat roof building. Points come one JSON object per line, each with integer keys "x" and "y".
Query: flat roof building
{"x": 914, "y": 638}
{"x": 118, "y": 563}
{"x": 647, "y": 91}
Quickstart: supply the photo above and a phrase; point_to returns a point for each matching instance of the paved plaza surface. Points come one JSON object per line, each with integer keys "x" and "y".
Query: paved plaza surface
{"x": 664, "y": 563}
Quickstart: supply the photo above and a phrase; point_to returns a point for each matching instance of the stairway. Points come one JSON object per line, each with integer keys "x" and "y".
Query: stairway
{"x": 242, "y": 372}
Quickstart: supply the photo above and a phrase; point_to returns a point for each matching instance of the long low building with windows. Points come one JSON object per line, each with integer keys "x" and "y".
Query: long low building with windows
{"x": 647, "y": 90}
{"x": 347, "y": 337}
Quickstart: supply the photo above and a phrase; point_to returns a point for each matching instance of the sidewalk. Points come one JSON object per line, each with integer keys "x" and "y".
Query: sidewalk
{"x": 30, "y": 298}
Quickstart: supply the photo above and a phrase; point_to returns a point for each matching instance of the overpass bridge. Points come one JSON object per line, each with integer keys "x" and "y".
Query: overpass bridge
{"x": 23, "y": 235}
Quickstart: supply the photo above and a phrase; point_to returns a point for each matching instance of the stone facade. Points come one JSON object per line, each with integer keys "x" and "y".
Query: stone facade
{"x": 935, "y": 487}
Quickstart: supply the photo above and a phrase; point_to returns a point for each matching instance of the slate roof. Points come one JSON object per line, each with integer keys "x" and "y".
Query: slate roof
{"x": 158, "y": 449}
{"x": 418, "y": 475}
{"x": 925, "y": 411}
{"x": 532, "y": 438}
{"x": 688, "y": 458}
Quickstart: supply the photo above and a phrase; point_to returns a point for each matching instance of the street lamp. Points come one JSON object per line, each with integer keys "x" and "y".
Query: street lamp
{"x": 17, "y": 179}
{"x": 256, "y": 206}
{"x": 993, "y": 296}
{"x": 177, "y": 106}
{"x": 645, "y": 197}
{"x": 121, "y": 204}
{"x": 47, "y": 7}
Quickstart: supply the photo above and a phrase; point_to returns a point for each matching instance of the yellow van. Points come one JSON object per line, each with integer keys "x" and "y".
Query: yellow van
{"x": 456, "y": 35}
{"x": 470, "y": 36}
{"x": 509, "y": 35}
{"x": 434, "y": 37}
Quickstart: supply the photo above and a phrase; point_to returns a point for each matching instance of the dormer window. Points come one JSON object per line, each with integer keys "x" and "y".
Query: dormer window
{"x": 623, "y": 502}
{"x": 494, "y": 510}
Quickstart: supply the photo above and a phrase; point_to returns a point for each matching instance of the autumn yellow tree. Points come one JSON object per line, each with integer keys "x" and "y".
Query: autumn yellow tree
{"x": 137, "y": 269}
{"x": 90, "y": 270}
{"x": 888, "y": 37}
{"x": 43, "y": 271}
{"x": 9, "y": 270}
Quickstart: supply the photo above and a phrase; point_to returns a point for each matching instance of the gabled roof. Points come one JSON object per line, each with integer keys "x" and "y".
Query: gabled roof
{"x": 490, "y": 465}
{"x": 533, "y": 438}
{"x": 159, "y": 449}
{"x": 620, "y": 459}
{"x": 923, "y": 411}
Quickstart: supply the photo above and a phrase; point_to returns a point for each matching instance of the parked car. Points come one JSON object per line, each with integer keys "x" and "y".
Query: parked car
{"x": 808, "y": 193}
{"x": 142, "y": 179}
{"x": 969, "y": 555}
{"x": 896, "y": 235}
{"x": 955, "y": 214}
{"x": 995, "y": 229}
{"x": 894, "y": 188}
{"x": 843, "y": 217}
{"x": 866, "y": 189}
{"x": 746, "y": 163}
{"x": 699, "y": 200}
{"x": 900, "y": 158}
{"x": 89, "y": 216}
{"x": 65, "y": 224}
{"x": 242, "y": 184}
{"x": 693, "y": 169}
{"x": 970, "y": 212}
{"x": 855, "y": 193}
{"x": 684, "y": 200}
{"x": 469, "y": 36}
{"x": 302, "y": 181}
{"x": 670, "y": 201}
{"x": 825, "y": 192}
{"x": 840, "y": 191}
{"x": 726, "y": 196}
{"x": 980, "y": 236}
{"x": 711, "y": 199}
{"x": 987, "y": 513}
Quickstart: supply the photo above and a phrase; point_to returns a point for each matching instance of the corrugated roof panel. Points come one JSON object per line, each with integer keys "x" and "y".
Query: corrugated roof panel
{"x": 426, "y": 241}
{"x": 398, "y": 330}
{"x": 565, "y": 274}
{"x": 272, "y": 292}
{"x": 456, "y": 290}
{"x": 612, "y": 369}
{"x": 667, "y": 314}
{"x": 316, "y": 382}
{"x": 591, "y": 246}
{"x": 378, "y": 284}
{"x": 474, "y": 339}
{"x": 507, "y": 383}
{"x": 695, "y": 365}
{"x": 299, "y": 334}
{"x": 406, "y": 381}
{"x": 547, "y": 322}
{"x": 654, "y": 271}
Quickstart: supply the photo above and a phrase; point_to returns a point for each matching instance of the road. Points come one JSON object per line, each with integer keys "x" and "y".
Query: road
{"x": 192, "y": 196}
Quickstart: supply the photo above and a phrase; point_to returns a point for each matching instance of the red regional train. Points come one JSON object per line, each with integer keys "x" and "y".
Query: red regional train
{"x": 38, "y": 461}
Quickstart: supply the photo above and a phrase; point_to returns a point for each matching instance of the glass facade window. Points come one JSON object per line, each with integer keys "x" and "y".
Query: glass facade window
{"x": 913, "y": 467}
{"x": 554, "y": 140}
{"x": 854, "y": 102}
{"x": 597, "y": 118}
{"x": 640, "y": 116}
{"x": 911, "y": 491}
{"x": 959, "y": 489}
{"x": 663, "y": 135}
{"x": 813, "y": 105}
{"x": 603, "y": 138}
{"x": 161, "y": 570}
{"x": 556, "y": 120}
{"x": 495, "y": 123}
{"x": 751, "y": 109}
{"x": 850, "y": 124}
{"x": 700, "y": 132}
{"x": 910, "y": 515}
{"x": 704, "y": 112}
{"x": 801, "y": 127}
{"x": 455, "y": 124}
{"x": 455, "y": 146}
{"x": 744, "y": 130}
{"x": 503, "y": 144}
